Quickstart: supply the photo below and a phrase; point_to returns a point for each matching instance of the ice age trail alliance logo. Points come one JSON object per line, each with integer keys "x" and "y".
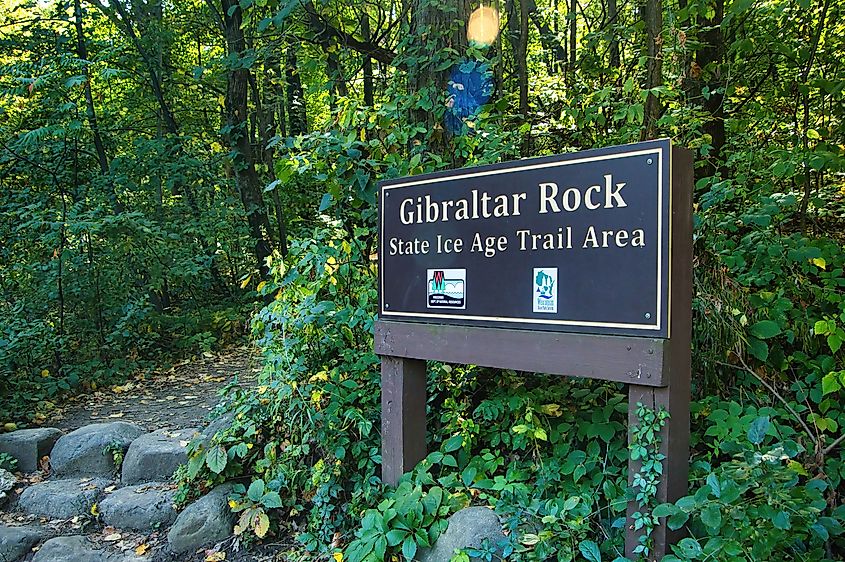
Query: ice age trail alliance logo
{"x": 545, "y": 289}
{"x": 446, "y": 288}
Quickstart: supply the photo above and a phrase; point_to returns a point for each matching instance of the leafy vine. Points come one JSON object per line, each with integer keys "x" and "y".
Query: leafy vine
{"x": 645, "y": 447}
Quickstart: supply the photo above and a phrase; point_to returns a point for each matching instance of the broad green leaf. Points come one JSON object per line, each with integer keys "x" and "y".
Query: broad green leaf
{"x": 690, "y": 548}
{"x": 256, "y": 490}
{"x": 216, "y": 459}
{"x": 781, "y": 521}
{"x": 271, "y": 500}
{"x": 453, "y": 443}
{"x": 590, "y": 551}
{"x": 758, "y": 430}
{"x": 765, "y": 329}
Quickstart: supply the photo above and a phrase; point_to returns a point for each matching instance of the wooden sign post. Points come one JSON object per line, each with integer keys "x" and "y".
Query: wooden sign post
{"x": 576, "y": 265}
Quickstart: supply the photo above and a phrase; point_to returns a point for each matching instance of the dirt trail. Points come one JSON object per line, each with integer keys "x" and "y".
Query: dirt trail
{"x": 181, "y": 397}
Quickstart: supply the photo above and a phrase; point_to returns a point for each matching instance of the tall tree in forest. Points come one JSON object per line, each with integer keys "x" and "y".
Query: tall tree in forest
{"x": 237, "y": 132}
{"x": 653, "y": 14}
{"x": 90, "y": 111}
{"x": 437, "y": 27}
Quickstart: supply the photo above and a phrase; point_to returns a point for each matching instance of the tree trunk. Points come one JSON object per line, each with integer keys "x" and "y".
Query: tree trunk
{"x": 433, "y": 26}
{"x": 613, "y": 17}
{"x": 297, "y": 117}
{"x": 369, "y": 92}
{"x": 573, "y": 33}
{"x": 246, "y": 176}
{"x": 90, "y": 111}
{"x": 710, "y": 58}
{"x": 653, "y": 14}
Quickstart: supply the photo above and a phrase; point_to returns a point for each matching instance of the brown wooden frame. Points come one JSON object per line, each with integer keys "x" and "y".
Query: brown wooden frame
{"x": 657, "y": 371}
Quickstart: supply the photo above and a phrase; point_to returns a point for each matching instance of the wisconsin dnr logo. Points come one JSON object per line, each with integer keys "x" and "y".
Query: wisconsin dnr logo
{"x": 446, "y": 288}
{"x": 545, "y": 289}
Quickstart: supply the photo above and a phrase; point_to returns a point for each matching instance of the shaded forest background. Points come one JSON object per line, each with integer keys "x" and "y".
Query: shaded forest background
{"x": 153, "y": 155}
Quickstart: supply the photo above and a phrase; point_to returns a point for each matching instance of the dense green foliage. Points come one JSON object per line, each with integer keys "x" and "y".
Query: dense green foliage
{"x": 157, "y": 157}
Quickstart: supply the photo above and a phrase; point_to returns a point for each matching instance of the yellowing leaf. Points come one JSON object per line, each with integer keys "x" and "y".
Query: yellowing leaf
{"x": 338, "y": 556}
{"x": 551, "y": 410}
{"x": 262, "y": 525}
{"x": 95, "y": 510}
{"x": 820, "y": 262}
{"x": 142, "y": 549}
{"x": 215, "y": 556}
{"x": 246, "y": 281}
{"x": 260, "y": 286}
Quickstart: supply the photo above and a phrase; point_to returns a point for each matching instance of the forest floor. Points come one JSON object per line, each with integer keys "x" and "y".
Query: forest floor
{"x": 183, "y": 396}
{"x": 178, "y": 398}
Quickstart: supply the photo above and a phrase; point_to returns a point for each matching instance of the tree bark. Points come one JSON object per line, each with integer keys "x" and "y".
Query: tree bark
{"x": 654, "y": 71}
{"x": 246, "y": 176}
{"x": 297, "y": 116}
{"x": 90, "y": 111}
{"x": 432, "y": 25}
{"x": 613, "y": 17}
{"x": 369, "y": 92}
{"x": 710, "y": 58}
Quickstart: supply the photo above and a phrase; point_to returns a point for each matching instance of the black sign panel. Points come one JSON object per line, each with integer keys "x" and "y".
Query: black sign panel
{"x": 576, "y": 243}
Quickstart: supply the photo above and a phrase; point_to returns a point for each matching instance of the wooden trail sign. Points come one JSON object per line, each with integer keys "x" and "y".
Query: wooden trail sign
{"x": 576, "y": 265}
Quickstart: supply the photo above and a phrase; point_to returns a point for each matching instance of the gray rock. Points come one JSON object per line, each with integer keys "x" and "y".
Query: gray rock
{"x": 468, "y": 528}
{"x": 218, "y": 424}
{"x": 155, "y": 456}
{"x": 16, "y": 542}
{"x": 29, "y": 445}
{"x": 7, "y": 482}
{"x": 62, "y": 499}
{"x": 73, "y": 549}
{"x": 208, "y": 520}
{"x": 84, "y": 451}
{"x": 139, "y": 508}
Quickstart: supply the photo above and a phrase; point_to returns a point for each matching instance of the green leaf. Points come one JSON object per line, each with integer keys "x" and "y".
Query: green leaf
{"x": 834, "y": 342}
{"x": 396, "y": 536}
{"x": 758, "y": 349}
{"x": 271, "y": 500}
{"x": 765, "y": 329}
{"x": 781, "y": 521}
{"x": 325, "y": 202}
{"x": 256, "y": 490}
{"x": 216, "y": 459}
{"x": 758, "y": 430}
{"x": 590, "y": 551}
{"x": 677, "y": 520}
{"x": 664, "y": 510}
{"x": 712, "y": 516}
{"x": 409, "y": 548}
{"x": 830, "y": 383}
{"x": 453, "y": 443}
{"x": 690, "y": 548}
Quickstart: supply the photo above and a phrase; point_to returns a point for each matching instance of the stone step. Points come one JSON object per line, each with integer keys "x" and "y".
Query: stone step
{"x": 29, "y": 445}
{"x": 154, "y": 457}
{"x": 88, "y": 451}
{"x": 143, "y": 507}
{"x": 79, "y": 549}
{"x": 17, "y": 542}
{"x": 206, "y": 521}
{"x": 62, "y": 499}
